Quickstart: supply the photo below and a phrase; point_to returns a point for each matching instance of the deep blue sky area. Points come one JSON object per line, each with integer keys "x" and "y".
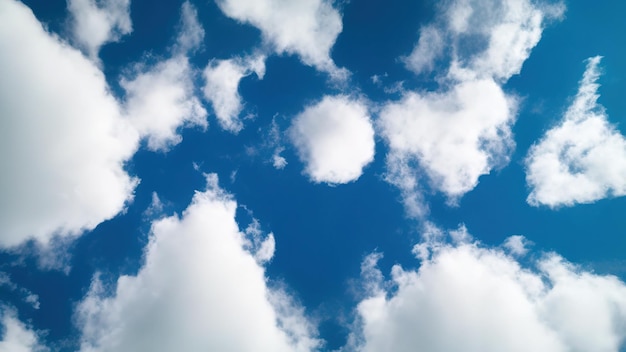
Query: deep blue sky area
{"x": 323, "y": 231}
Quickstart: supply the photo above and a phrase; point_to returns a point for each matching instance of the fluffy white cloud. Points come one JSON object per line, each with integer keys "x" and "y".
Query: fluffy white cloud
{"x": 583, "y": 158}
{"x": 487, "y": 38}
{"x": 465, "y": 297}
{"x": 198, "y": 290}
{"x": 63, "y": 141}
{"x": 16, "y": 336}
{"x": 97, "y": 22}
{"x": 334, "y": 138}
{"x": 161, "y": 98}
{"x": 452, "y": 137}
{"x": 307, "y": 28}
{"x": 222, "y": 79}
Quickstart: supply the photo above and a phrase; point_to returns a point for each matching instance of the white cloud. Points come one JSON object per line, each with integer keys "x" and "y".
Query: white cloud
{"x": 198, "y": 290}
{"x": 428, "y": 49}
{"x": 516, "y": 245}
{"x": 27, "y": 295}
{"x": 465, "y": 297}
{"x": 334, "y": 139}
{"x": 307, "y": 28}
{"x": 487, "y": 38}
{"x": 461, "y": 131}
{"x": 191, "y": 33}
{"x": 17, "y": 337}
{"x": 63, "y": 140}
{"x": 97, "y": 22}
{"x": 452, "y": 137}
{"x": 222, "y": 79}
{"x": 583, "y": 158}
{"x": 161, "y": 98}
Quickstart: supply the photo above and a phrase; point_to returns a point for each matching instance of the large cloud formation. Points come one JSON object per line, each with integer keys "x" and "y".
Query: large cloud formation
{"x": 465, "y": 297}
{"x": 202, "y": 288}
{"x": 583, "y": 158}
{"x": 461, "y": 131}
{"x": 334, "y": 139}
{"x": 63, "y": 140}
{"x": 307, "y": 28}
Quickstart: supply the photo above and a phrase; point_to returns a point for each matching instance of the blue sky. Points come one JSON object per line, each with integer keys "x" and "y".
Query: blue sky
{"x": 312, "y": 175}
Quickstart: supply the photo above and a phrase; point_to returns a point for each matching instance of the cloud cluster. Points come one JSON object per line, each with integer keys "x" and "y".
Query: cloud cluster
{"x": 222, "y": 79}
{"x": 95, "y": 23}
{"x": 583, "y": 158}
{"x": 307, "y": 28}
{"x": 334, "y": 139}
{"x": 63, "y": 139}
{"x": 461, "y": 131}
{"x": 465, "y": 297}
{"x": 198, "y": 290}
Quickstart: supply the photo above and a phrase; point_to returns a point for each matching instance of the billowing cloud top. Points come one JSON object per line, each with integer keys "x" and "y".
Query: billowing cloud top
{"x": 199, "y": 290}
{"x": 465, "y": 297}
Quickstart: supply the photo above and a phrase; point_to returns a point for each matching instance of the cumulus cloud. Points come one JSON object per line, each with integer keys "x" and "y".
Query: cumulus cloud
{"x": 334, "y": 139}
{"x": 17, "y": 337}
{"x": 97, "y": 22}
{"x": 488, "y": 38}
{"x": 307, "y": 28}
{"x": 63, "y": 140}
{"x": 583, "y": 158}
{"x": 198, "y": 290}
{"x": 222, "y": 79}
{"x": 466, "y": 297}
{"x": 161, "y": 98}
{"x": 452, "y": 136}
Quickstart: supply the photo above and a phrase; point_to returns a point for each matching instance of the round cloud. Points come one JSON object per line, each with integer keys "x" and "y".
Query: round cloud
{"x": 334, "y": 138}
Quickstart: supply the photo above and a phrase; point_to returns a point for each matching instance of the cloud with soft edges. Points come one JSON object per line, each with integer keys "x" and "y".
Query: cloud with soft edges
{"x": 198, "y": 289}
{"x": 63, "y": 139}
{"x": 444, "y": 140}
{"x": 468, "y": 297}
{"x": 97, "y": 22}
{"x": 306, "y": 28}
{"x": 65, "y": 124}
{"x": 17, "y": 337}
{"x": 583, "y": 158}
{"x": 334, "y": 139}
{"x": 161, "y": 98}
{"x": 222, "y": 78}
